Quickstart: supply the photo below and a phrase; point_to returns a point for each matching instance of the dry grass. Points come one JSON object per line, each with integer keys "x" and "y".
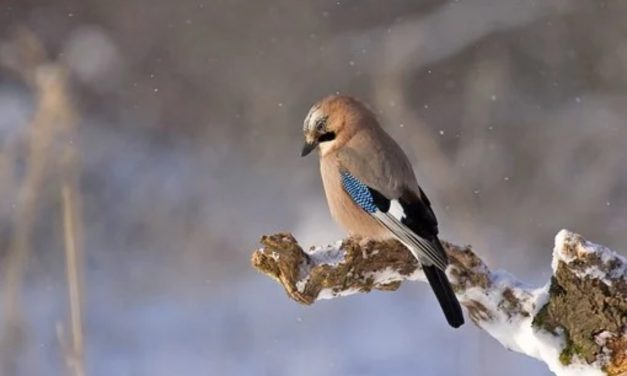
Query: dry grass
{"x": 51, "y": 159}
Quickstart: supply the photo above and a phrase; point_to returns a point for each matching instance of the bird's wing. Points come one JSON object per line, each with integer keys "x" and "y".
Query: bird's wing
{"x": 376, "y": 171}
{"x": 408, "y": 216}
{"x": 375, "y": 159}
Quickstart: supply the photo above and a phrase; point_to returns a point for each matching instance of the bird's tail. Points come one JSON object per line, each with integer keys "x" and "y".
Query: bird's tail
{"x": 446, "y": 297}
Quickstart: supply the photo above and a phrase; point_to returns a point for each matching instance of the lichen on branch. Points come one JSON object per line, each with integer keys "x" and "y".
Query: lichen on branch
{"x": 576, "y": 323}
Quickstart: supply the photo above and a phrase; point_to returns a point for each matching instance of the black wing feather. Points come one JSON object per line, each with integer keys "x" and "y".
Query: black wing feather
{"x": 419, "y": 216}
{"x": 380, "y": 201}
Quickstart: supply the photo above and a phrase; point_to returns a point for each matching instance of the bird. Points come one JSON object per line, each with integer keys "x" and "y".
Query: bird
{"x": 372, "y": 191}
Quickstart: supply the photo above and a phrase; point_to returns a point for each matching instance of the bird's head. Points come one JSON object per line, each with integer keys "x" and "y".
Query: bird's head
{"x": 331, "y": 122}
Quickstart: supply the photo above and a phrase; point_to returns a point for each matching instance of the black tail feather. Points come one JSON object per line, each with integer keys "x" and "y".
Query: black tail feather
{"x": 446, "y": 297}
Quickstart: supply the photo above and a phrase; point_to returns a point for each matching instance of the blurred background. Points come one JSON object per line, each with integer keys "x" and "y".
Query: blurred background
{"x": 146, "y": 145}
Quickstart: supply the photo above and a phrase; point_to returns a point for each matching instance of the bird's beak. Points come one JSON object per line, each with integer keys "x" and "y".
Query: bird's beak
{"x": 308, "y": 148}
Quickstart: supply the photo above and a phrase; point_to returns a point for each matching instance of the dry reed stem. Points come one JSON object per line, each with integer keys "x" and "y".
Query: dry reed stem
{"x": 51, "y": 155}
{"x": 73, "y": 258}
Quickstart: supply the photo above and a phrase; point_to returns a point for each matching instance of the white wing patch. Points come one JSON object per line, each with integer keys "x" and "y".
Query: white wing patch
{"x": 422, "y": 249}
{"x": 396, "y": 210}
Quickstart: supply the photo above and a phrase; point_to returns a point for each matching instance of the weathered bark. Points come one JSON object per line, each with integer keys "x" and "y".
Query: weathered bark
{"x": 576, "y": 323}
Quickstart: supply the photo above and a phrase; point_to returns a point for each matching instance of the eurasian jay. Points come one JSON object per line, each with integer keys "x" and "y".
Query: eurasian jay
{"x": 372, "y": 191}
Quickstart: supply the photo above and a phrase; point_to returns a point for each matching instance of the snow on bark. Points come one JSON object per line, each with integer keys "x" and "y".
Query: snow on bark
{"x": 576, "y": 323}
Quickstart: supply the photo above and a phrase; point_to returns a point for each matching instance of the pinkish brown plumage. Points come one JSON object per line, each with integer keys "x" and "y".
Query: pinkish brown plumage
{"x": 371, "y": 188}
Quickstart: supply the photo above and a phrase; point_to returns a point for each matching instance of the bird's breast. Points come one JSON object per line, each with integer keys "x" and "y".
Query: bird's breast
{"x": 355, "y": 220}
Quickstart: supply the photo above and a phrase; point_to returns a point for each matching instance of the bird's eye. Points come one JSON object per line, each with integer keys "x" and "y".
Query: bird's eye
{"x": 321, "y": 124}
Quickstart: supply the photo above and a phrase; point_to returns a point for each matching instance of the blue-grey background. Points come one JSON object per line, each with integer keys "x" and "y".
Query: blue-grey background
{"x": 512, "y": 112}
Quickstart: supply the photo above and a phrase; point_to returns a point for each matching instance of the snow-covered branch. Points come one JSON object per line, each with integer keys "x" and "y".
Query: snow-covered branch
{"x": 576, "y": 323}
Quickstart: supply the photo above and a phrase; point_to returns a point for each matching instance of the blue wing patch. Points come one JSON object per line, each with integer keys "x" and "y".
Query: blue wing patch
{"x": 359, "y": 192}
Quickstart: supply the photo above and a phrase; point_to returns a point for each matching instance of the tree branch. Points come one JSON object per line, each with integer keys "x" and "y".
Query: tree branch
{"x": 576, "y": 323}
